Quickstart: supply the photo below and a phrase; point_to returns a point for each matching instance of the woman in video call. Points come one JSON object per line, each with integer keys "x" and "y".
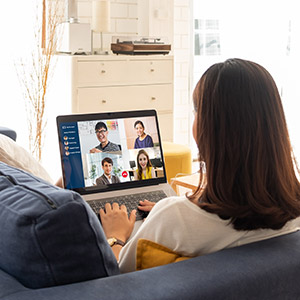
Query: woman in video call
{"x": 144, "y": 169}
{"x": 250, "y": 190}
{"x": 143, "y": 140}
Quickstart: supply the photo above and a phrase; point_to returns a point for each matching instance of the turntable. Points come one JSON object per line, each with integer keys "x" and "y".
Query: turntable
{"x": 139, "y": 46}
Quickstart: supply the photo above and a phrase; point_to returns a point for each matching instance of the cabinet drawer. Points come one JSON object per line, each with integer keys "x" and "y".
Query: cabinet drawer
{"x": 105, "y": 73}
{"x": 95, "y": 73}
{"x": 152, "y": 71}
{"x": 157, "y": 97}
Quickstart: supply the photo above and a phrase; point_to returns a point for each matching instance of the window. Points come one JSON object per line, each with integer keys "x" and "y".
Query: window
{"x": 207, "y": 37}
{"x": 255, "y": 31}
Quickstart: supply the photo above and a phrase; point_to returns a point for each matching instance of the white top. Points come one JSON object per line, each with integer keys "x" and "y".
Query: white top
{"x": 182, "y": 226}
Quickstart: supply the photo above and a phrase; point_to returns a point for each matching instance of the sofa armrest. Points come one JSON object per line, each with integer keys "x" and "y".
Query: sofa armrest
{"x": 8, "y": 132}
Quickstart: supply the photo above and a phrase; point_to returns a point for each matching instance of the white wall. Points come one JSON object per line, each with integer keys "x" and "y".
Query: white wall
{"x": 124, "y": 19}
{"x": 182, "y": 58}
{"x": 16, "y": 34}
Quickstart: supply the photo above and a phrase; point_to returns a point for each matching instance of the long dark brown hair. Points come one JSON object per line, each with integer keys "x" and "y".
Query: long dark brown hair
{"x": 140, "y": 170}
{"x": 242, "y": 138}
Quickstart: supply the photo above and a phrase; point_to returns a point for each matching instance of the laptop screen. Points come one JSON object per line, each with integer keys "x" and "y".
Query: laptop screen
{"x": 109, "y": 151}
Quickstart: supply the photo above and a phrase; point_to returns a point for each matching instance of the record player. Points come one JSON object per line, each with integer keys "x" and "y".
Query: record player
{"x": 140, "y": 45}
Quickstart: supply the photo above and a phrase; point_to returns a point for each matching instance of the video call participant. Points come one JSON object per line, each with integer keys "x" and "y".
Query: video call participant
{"x": 107, "y": 177}
{"x": 105, "y": 145}
{"x": 145, "y": 169}
{"x": 143, "y": 140}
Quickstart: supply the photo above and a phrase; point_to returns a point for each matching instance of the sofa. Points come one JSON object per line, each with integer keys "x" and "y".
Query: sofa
{"x": 268, "y": 269}
{"x": 8, "y": 132}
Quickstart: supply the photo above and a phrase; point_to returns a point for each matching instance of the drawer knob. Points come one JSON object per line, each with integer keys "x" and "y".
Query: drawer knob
{"x": 103, "y": 101}
{"x": 103, "y": 71}
{"x": 151, "y": 70}
{"x": 153, "y": 98}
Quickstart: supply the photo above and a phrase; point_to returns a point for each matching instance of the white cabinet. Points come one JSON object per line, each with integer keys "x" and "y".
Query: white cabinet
{"x": 115, "y": 83}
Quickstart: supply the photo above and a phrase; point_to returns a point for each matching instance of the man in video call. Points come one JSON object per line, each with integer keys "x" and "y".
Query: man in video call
{"x": 107, "y": 177}
{"x": 105, "y": 145}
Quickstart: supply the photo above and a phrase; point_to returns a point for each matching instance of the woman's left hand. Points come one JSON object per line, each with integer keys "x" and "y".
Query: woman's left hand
{"x": 115, "y": 221}
{"x": 146, "y": 205}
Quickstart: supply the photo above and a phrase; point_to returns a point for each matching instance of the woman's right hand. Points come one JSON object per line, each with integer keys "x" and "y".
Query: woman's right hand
{"x": 146, "y": 205}
{"x": 115, "y": 221}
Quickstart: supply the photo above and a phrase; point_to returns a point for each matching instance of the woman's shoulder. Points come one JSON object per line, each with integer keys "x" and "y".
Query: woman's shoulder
{"x": 172, "y": 200}
{"x": 100, "y": 179}
{"x": 175, "y": 203}
{"x": 182, "y": 205}
{"x": 148, "y": 137}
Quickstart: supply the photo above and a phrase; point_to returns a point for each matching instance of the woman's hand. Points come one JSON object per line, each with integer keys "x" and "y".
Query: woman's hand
{"x": 115, "y": 221}
{"x": 146, "y": 205}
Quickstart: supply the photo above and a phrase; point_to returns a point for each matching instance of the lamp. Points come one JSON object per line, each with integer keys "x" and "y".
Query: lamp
{"x": 100, "y": 21}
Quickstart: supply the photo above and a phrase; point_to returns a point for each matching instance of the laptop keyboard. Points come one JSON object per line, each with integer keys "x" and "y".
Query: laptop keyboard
{"x": 130, "y": 201}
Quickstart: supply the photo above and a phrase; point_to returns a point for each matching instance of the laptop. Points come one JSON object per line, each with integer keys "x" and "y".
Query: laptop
{"x": 100, "y": 158}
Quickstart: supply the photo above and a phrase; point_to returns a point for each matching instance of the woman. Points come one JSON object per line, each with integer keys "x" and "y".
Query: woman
{"x": 143, "y": 140}
{"x": 145, "y": 169}
{"x": 250, "y": 191}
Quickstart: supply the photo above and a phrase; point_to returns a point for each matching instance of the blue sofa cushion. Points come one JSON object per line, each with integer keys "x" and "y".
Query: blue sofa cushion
{"x": 8, "y": 132}
{"x": 49, "y": 236}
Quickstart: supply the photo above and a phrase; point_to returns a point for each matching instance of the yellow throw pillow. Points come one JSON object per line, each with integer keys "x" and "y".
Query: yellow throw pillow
{"x": 150, "y": 254}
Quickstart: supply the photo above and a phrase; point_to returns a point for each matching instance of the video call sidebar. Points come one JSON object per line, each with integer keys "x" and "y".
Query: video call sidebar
{"x": 71, "y": 155}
